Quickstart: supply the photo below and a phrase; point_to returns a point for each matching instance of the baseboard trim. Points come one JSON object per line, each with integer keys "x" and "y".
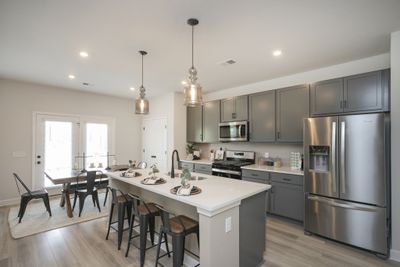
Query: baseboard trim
{"x": 395, "y": 255}
{"x": 9, "y": 202}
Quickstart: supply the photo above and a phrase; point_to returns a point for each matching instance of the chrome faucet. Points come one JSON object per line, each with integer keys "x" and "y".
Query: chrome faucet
{"x": 172, "y": 164}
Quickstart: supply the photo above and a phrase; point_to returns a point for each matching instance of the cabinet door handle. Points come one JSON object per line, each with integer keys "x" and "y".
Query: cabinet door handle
{"x": 279, "y": 135}
{"x": 287, "y": 179}
{"x": 341, "y": 104}
{"x": 345, "y": 104}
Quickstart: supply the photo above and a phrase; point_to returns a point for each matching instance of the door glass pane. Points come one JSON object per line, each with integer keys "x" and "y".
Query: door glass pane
{"x": 57, "y": 147}
{"x": 96, "y": 145}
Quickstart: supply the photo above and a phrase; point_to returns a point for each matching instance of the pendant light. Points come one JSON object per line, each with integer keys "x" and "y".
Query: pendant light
{"x": 192, "y": 89}
{"x": 141, "y": 103}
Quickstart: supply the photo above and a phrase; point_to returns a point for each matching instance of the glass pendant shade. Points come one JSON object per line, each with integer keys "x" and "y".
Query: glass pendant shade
{"x": 141, "y": 106}
{"x": 141, "y": 103}
{"x": 193, "y": 95}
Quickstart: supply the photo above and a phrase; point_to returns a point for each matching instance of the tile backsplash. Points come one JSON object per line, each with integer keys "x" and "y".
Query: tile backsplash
{"x": 275, "y": 150}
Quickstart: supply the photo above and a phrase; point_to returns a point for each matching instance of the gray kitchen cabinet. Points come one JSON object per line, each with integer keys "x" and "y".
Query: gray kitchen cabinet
{"x": 187, "y": 165}
{"x": 259, "y": 177}
{"x": 194, "y": 130}
{"x": 287, "y": 200}
{"x": 364, "y": 92}
{"x": 234, "y": 109}
{"x": 326, "y": 97}
{"x": 292, "y": 107}
{"x": 262, "y": 117}
{"x": 202, "y": 168}
{"x": 211, "y": 119}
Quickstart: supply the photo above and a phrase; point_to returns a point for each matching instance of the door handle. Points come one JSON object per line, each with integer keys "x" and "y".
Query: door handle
{"x": 333, "y": 157}
{"x": 343, "y": 156}
{"x": 335, "y": 203}
{"x": 153, "y": 157}
{"x": 38, "y": 162}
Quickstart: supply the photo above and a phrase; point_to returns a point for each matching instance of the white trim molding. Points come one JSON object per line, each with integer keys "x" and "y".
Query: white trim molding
{"x": 9, "y": 202}
{"x": 395, "y": 255}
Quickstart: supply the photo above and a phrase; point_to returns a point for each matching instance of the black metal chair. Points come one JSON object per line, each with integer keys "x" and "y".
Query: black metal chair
{"x": 28, "y": 196}
{"x": 103, "y": 183}
{"x": 124, "y": 204}
{"x": 178, "y": 227}
{"x": 89, "y": 189}
{"x": 147, "y": 213}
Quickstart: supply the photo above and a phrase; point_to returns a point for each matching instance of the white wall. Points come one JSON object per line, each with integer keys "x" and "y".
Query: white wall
{"x": 350, "y": 68}
{"x": 171, "y": 107}
{"x": 395, "y": 132}
{"x": 18, "y": 101}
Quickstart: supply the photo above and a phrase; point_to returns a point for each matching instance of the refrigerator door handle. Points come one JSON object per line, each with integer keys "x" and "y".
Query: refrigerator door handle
{"x": 343, "y": 157}
{"x": 335, "y": 203}
{"x": 333, "y": 159}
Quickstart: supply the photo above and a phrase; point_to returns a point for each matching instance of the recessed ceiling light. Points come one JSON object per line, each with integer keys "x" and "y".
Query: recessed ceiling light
{"x": 183, "y": 82}
{"x": 277, "y": 53}
{"x": 83, "y": 54}
{"x": 71, "y": 76}
{"x": 132, "y": 88}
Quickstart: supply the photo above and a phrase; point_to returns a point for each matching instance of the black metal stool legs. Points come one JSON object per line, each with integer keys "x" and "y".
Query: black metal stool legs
{"x": 110, "y": 220}
{"x": 178, "y": 246}
{"x": 143, "y": 238}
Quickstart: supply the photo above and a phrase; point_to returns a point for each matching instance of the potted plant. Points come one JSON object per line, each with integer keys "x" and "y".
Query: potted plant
{"x": 185, "y": 177}
{"x": 189, "y": 151}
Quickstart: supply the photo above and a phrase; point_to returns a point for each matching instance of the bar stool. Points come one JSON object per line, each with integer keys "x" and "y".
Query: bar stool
{"x": 178, "y": 227}
{"x": 124, "y": 203}
{"x": 147, "y": 213}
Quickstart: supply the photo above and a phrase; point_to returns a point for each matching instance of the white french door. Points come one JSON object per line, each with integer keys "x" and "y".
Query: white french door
{"x": 155, "y": 142}
{"x": 61, "y": 140}
{"x": 56, "y": 145}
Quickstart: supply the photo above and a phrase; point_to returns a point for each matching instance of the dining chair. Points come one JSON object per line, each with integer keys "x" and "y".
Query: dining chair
{"x": 29, "y": 195}
{"x": 89, "y": 189}
{"x": 142, "y": 165}
{"x": 178, "y": 227}
{"x": 103, "y": 183}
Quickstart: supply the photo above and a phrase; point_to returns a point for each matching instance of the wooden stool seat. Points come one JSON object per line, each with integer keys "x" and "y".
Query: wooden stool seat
{"x": 177, "y": 223}
{"x": 148, "y": 209}
{"x": 123, "y": 199}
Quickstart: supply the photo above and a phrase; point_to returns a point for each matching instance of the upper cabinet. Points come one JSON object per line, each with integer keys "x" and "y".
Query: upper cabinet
{"x": 262, "y": 117}
{"x": 292, "y": 107}
{"x": 234, "y": 109}
{"x": 211, "y": 118}
{"x": 326, "y": 97}
{"x": 194, "y": 125}
{"x": 368, "y": 92}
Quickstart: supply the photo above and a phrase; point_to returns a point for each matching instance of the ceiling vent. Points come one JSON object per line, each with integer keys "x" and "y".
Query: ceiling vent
{"x": 227, "y": 62}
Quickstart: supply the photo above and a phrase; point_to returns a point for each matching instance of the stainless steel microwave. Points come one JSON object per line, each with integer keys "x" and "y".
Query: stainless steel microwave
{"x": 233, "y": 131}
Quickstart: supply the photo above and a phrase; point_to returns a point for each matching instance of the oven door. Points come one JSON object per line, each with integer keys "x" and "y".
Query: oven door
{"x": 233, "y": 131}
{"x": 227, "y": 173}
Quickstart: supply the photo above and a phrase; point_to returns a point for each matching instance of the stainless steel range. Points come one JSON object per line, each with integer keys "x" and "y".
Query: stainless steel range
{"x": 231, "y": 166}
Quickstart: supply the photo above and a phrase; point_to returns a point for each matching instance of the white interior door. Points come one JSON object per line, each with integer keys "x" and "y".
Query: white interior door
{"x": 56, "y": 145}
{"x": 155, "y": 142}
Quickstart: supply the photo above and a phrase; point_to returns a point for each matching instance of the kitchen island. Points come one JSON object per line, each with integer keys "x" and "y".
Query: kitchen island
{"x": 231, "y": 215}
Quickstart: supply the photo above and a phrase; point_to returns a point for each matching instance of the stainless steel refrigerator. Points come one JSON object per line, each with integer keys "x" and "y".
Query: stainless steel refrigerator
{"x": 347, "y": 179}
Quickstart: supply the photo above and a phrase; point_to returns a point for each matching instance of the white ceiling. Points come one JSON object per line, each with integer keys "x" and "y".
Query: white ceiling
{"x": 40, "y": 40}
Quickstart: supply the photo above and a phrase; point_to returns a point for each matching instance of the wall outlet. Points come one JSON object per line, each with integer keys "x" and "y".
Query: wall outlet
{"x": 228, "y": 224}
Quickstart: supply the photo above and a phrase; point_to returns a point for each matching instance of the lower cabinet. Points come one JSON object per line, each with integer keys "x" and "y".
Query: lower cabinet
{"x": 287, "y": 200}
{"x": 268, "y": 195}
{"x": 187, "y": 165}
{"x": 203, "y": 168}
{"x": 286, "y": 196}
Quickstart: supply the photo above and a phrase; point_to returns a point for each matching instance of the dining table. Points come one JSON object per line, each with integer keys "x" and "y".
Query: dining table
{"x": 68, "y": 177}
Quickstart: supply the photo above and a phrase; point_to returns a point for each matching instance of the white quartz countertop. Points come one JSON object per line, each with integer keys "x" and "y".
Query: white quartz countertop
{"x": 283, "y": 169}
{"x": 217, "y": 194}
{"x": 198, "y": 161}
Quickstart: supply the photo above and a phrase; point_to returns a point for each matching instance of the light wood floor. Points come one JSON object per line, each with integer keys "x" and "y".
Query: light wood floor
{"x": 84, "y": 245}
